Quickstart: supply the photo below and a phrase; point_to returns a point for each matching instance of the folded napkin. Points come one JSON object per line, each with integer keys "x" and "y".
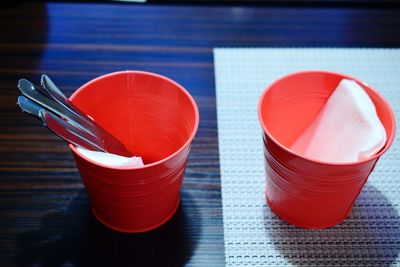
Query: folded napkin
{"x": 347, "y": 129}
{"x": 111, "y": 159}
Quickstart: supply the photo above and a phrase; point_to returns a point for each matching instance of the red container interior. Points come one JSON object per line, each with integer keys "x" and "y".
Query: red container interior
{"x": 289, "y": 106}
{"x": 151, "y": 115}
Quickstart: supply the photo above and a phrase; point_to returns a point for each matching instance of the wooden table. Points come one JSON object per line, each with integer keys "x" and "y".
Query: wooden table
{"x": 44, "y": 215}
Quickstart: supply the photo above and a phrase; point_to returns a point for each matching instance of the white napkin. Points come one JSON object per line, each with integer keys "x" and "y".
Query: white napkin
{"x": 347, "y": 129}
{"x": 111, "y": 159}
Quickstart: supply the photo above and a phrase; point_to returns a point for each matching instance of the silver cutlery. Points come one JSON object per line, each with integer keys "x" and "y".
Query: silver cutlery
{"x": 56, "y": 112}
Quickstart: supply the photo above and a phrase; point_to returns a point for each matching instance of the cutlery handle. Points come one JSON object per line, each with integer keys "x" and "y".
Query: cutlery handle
{"x": 88, "y": 128}
{"x": 112, "y": 144}
{"x": 28, "y": 106}
{"x": 52, "y": 90}
{"x": 30, "y": 91}
{"x": 51, "y": 120}
{"x": 64, "y": 130}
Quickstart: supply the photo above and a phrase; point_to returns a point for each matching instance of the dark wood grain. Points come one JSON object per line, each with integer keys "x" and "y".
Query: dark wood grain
{"x": 44, "y": 215}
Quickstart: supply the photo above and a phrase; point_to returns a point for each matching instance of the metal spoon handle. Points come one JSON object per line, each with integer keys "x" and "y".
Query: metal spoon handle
{"x": 28, "y": 106}
{"x": 52, "y": 90}
{"x": 62, "y": 129}
{"x": 110, "y": 142}
{"x": 31, "y": 91}
{"x": 34, "y": 109}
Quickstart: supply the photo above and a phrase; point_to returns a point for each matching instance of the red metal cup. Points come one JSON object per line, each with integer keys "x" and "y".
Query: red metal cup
{"x": 134, "y": 201}
{"x": 129, "y": 191}
{"x": 135, "y": 220}
{"x": 155, "y": 118}
{"x": 163, "y": 178}
{"x": 303, "y": 191}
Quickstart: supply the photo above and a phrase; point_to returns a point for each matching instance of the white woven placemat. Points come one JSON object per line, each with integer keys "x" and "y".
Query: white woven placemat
{"x": 254, "y": 236}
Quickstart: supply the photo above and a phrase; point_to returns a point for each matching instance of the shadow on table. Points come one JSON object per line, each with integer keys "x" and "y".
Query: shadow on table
{"x": 370, "y": 236}
{"x": 75, "y": 238}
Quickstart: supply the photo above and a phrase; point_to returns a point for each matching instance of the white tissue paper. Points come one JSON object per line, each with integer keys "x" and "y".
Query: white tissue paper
{"x": 347, "y": 129}
{"x": 111, "y": 159}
